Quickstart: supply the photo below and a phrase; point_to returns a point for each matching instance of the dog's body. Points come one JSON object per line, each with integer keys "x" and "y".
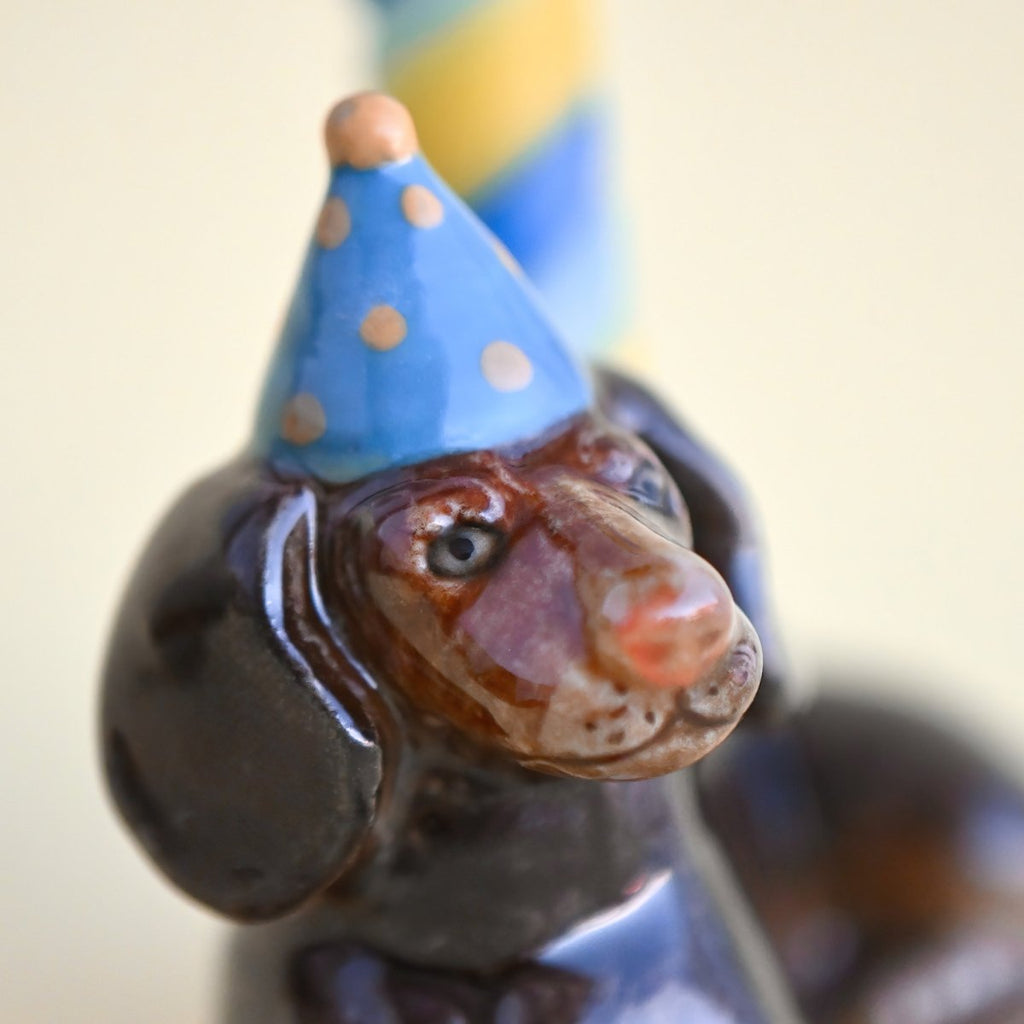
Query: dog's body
{"x": 474, "y": 885}
{"x": 508, "y": 895}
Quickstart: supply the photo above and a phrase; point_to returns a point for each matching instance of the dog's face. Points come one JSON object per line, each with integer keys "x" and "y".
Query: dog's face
{"x": 547, "y": 603}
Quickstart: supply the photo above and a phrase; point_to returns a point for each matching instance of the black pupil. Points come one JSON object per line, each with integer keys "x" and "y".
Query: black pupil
{"x": 647, "y": 486}
{"x": 461, "y": 548}
{"x": 650, "y": 489}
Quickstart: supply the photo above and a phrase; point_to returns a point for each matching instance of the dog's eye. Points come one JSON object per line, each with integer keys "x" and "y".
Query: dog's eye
{"x": 650, "y": 486}
{"x": 464, "y": 550}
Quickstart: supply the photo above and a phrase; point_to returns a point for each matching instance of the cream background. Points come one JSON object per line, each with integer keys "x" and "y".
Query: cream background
{"x": 829, "y": 224}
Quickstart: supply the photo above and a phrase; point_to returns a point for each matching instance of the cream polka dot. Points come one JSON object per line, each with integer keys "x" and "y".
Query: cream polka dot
{"x": 303, "y": 420}
{"x": 334, "y": 224}
{"x": 383, "y": 328}
{"x": 505, "y": 366}
{"x": 422, "y": 209}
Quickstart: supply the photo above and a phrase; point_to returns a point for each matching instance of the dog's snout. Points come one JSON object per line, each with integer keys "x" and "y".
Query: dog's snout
{"x": 660, "y": 616}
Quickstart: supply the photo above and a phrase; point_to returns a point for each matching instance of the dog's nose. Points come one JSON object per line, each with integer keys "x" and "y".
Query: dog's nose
{"x": 670, "y": 629}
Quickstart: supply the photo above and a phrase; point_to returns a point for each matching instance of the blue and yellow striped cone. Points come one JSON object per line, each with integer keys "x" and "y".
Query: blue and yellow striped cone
{"x": 505, "y": 95}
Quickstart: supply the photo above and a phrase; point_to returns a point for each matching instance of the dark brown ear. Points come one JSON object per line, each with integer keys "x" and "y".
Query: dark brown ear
{"x": 246, "y": 766}
{"x": 724, "y": 527}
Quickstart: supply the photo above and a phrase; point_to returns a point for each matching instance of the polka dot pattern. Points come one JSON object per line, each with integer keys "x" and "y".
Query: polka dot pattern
{"x": 383, "y": 328}
{"x": 303, "y": 420}
{"x": 506, "y": 367}
{"x": 334, "y": 223}
{"x": 420, "y": 207}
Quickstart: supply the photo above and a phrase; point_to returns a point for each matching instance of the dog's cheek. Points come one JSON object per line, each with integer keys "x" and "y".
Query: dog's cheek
{"x": 411, "y": 645}
{"x": 411, "y": 617}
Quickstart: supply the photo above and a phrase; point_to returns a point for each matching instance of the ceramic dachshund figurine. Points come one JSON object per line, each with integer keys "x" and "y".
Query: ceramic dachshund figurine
{"x": 417, "y": 687}
{"x": 386, "y": 675}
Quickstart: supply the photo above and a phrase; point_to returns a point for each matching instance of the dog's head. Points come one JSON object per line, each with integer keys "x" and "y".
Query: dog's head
{"x": 280, "y": 643}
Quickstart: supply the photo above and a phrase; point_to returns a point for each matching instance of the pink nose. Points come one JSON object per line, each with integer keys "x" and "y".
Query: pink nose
{"x": 671, "y": 634}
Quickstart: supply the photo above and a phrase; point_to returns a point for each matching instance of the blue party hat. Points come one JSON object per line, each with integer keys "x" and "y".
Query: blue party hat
{"x": 412, "y": 334}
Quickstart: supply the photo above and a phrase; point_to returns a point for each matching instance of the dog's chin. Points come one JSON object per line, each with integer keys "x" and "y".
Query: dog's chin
{"x": 705, "y": 715}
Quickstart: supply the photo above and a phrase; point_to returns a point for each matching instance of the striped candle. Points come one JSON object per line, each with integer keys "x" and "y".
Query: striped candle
{"x": 505, "y": 98}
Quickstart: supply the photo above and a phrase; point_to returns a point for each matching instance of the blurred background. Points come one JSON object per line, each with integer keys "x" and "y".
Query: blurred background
{"x": 827, "y": 215}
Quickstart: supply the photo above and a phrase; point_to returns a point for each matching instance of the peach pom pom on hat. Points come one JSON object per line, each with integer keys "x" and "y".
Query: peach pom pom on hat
{"x": 411, "y": 335}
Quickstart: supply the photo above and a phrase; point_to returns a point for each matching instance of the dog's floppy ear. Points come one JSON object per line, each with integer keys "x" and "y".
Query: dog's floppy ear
{"x": 724, "y": 527}
{"x": 236, "y": 738}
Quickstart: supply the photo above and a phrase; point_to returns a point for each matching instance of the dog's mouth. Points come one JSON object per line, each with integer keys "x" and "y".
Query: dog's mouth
{"x": 702, "y": 717}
